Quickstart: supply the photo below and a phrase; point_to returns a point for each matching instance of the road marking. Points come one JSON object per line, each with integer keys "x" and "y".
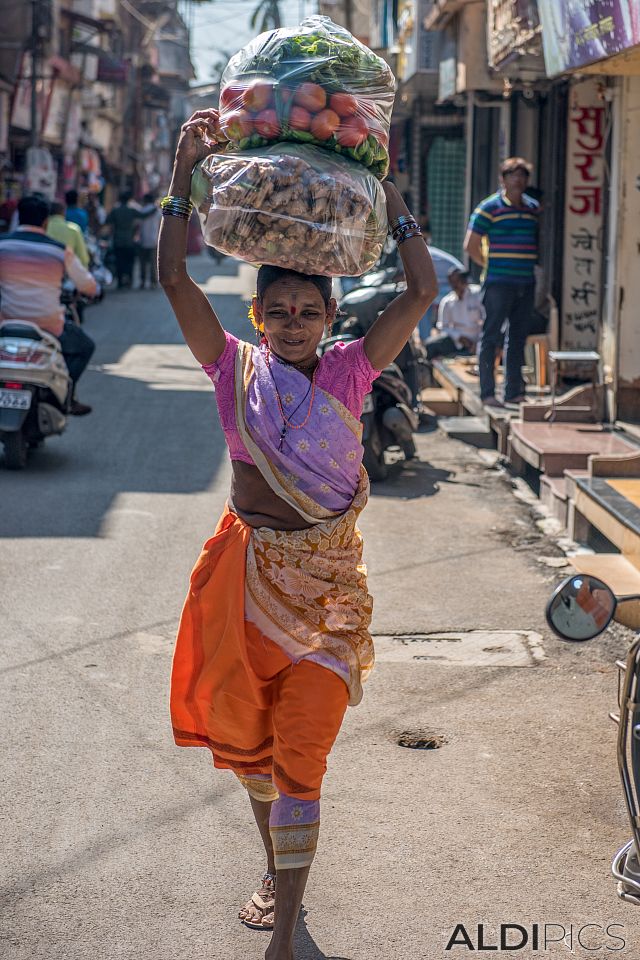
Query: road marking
{"x": 472, "y": 648}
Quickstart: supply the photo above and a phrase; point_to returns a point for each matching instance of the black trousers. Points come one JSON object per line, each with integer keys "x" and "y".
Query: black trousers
{"x": 77, "y": 349}
{"x": 512, "y": 302}
{"x": 147, "y": 257}
{"x": 124, "y": 257}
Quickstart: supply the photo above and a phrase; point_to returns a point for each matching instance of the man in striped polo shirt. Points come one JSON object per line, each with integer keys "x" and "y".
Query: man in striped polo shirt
{"x": 508, "y": 220}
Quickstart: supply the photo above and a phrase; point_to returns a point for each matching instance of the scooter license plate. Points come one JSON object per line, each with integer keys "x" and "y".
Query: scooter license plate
{"x": 15, "y": 399}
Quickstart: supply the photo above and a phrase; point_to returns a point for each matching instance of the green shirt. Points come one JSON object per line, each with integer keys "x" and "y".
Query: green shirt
{"x": 70, "y": 234}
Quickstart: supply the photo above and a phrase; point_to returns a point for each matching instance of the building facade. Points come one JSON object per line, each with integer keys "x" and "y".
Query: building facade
{"x": 557, "y": 83}
{"x": 91, "y": 94}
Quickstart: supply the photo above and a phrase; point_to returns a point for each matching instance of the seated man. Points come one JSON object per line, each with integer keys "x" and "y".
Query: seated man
{"x": 32, "y": 267}
{"x": 460, "y": 318}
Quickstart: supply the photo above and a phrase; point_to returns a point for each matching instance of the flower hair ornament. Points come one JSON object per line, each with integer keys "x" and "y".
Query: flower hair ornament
{"x": 258, "y": 325}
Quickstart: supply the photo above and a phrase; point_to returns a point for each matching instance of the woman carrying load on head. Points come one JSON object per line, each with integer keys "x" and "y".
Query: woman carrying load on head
{"x": 273, "y": 642}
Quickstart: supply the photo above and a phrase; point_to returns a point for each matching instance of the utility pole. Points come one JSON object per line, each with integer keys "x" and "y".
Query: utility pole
{"x": 35, "y": 63}
{"x": 348, "y": 15}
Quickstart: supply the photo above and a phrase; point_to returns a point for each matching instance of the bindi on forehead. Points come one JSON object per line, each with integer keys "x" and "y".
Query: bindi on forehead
{"x": 293, "y": 308}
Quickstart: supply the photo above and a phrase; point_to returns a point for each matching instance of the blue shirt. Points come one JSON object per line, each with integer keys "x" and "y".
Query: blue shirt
{"x": 79, "y": 216}
{"x": 512, "y": 234}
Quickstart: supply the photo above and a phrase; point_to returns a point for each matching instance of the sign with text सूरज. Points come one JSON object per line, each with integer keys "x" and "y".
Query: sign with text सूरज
{"x": 584, "y": 199}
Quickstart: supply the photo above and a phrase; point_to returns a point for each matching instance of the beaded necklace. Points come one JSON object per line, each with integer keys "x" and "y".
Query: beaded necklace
{"x": 286, "y": 421}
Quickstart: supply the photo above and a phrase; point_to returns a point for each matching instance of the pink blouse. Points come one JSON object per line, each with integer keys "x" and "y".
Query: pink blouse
{"x": 344, "y": 372}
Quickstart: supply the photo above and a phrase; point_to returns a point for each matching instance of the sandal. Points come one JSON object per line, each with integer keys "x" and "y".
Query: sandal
{"x": 263, "y": 903}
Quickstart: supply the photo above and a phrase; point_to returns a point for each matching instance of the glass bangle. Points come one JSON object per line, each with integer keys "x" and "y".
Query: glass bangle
{"x": 168, "y": 212}
{"x": 176, "y": 204}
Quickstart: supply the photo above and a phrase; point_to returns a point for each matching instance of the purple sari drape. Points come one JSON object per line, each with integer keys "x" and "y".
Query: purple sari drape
{"x": 317, "y": 468}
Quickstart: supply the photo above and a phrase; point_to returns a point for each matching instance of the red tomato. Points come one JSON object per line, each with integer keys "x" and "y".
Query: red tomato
{"x": 231, "y": 97}
{"x": 344, "y": 104}
{"x": 324, "y": 124}
{"x": 268, "y": 125}
{"x": 299, "y": 118}
{"x": 258, "y": 95}
{"x": 352, "y": 132}
{"x": 311, "y": 96}
{"x": 237, "y": 125}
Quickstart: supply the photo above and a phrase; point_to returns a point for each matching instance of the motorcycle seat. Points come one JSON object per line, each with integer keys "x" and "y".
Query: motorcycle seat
{"x": 23, "y": 331}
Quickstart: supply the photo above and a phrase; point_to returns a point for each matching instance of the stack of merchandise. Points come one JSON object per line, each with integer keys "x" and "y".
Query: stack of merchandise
{"x": 305, "y": 114}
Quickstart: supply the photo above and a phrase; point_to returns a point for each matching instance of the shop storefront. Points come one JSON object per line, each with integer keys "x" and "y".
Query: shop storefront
{"x": 600, "y": 42}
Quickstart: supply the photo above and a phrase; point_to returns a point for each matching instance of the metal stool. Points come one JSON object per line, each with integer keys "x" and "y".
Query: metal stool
{"x": 586, "y": 357}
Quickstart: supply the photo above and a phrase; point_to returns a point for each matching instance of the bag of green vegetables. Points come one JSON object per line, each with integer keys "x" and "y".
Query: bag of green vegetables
{"x": 312, "y": 84}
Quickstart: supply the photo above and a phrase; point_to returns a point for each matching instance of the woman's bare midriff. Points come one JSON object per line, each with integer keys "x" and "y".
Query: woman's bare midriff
{"x": 257, "y": 504}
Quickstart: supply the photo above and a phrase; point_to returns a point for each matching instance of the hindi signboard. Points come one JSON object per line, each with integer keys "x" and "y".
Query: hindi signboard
{"x": 578, "y": 32}
{"x": 584, "y": 199}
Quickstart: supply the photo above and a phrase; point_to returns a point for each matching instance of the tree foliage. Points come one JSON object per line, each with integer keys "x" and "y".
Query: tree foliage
{"x": 266, "y": 16}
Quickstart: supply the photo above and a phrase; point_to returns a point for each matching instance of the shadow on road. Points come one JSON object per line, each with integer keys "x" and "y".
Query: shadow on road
{"x": 305, "y": 946}
{"x": 154, "y": 428}
{"x": 411, "y": 479}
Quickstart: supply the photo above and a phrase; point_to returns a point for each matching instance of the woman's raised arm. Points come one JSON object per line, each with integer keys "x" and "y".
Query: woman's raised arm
{"x": 200, "y": 326}
{"x": 388, "y": 335}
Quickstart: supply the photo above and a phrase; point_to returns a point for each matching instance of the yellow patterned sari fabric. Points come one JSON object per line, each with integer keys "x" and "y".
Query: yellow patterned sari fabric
{"x": 307, "y": 591}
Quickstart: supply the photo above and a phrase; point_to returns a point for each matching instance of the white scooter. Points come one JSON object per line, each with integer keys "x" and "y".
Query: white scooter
{"x": 35, "y": 389}
{"x": 580, "y": 608}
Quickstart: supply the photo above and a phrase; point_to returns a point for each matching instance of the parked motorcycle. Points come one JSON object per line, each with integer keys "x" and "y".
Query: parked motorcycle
{"x": 412, "y": 359}
{"x": 374, "y": 290}
{"x": 388, "y": 419}
{"x": 581, "y": 608}
{"x": 35, "y": 389}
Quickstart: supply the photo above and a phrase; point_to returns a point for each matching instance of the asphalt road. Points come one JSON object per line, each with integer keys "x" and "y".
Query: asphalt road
{"x": 116, "y": 844}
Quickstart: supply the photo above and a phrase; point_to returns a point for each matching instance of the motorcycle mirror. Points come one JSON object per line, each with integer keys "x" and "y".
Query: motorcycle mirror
{"x": 580, "y": 608}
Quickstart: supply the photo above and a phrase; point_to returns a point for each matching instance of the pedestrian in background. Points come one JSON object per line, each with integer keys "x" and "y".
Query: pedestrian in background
{"x": 96, "y": 213}
{"x": 123, "y": 222}
{"x": 64, "y": 231}
{"x": 148, "y": 243}
{"x": 508, "y": 220}
{"x": 460, "y": 318}
{"x": 76, "y": 213}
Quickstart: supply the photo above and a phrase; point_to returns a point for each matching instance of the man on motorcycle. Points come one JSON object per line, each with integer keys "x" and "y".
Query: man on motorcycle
{"x": 67, "y": 232}
{"x": 32, "y": 267}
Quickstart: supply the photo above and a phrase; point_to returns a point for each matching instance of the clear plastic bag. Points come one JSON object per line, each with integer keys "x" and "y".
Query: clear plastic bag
{"x": 293, "y": 206}
{"x": 314, "y": 83}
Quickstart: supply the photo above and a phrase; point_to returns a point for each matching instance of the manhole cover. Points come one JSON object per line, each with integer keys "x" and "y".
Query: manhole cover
{"x": 419, "y": 740}
{"x": 472, "y": 648}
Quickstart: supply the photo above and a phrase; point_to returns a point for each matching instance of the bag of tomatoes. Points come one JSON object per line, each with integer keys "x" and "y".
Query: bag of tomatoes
{"x": 311, "y": 84}
{"x": 294, "y": 206}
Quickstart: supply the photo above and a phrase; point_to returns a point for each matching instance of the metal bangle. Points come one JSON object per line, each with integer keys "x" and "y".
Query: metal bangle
{"x": 403, "y": 229}
{"x": 401, "y": 222}
{"x": 409, "y": 236}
